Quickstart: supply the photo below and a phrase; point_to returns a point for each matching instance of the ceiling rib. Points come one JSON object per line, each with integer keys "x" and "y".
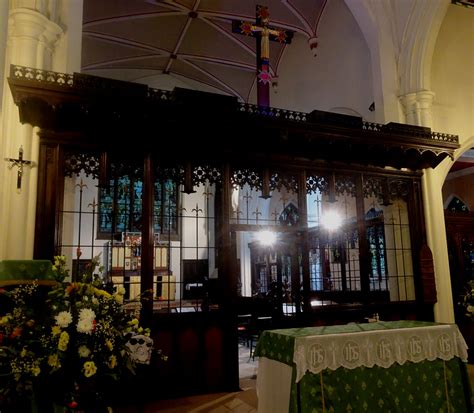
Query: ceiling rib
{"x": 213, "y": 77}
{"x": 123, "y": 41}
{"x": 122, "y": 60}
{"x": 299, "y": 16}
{"x": 230, "y": 16}
{"x": 118, "y": 19}
{"x": 219, "y": 61}
{"x": 229, "y": 35}
{"x": 318, "y": 19}
{"x": 168, "y": 5}
{"x": 178, "y": 44}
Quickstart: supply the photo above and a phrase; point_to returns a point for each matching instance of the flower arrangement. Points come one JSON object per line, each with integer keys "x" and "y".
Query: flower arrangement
{"x": 68, "y": 343}
{"x": 467, "y": 300}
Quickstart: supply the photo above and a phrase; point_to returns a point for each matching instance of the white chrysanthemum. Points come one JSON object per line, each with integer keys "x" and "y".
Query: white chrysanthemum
{"x": 83, "y": 351}
{"x": 85, "y": 326}
{"x": 63, "y": 319}
{"x": 86, "y": 314}
{"x": 470, "y": 309}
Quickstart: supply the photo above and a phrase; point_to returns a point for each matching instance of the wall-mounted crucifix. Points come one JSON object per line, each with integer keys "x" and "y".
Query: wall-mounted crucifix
{"x": 20, "y": 162}
{"x": 263, "y": 33}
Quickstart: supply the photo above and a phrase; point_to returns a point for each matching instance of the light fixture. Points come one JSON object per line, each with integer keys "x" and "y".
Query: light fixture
{"x": 267, "y": 238}
{"x": 331, "y": 220}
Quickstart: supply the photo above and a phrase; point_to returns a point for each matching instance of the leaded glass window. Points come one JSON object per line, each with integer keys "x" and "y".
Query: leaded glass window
{"x": 120, "y": 207}
{"x": 376, "y": 241}
{"x": 165, "y": 207}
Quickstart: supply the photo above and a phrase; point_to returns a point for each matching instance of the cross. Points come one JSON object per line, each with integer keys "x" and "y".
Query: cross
{"x": 207, "y": 193}
{"x": 197, "y": 210}
{"x": 237, "y": 212}
{"x": 256, "y": 213}
{"x": 93, "y": 205}
{"x": 275, "y": 214}
{"x": 263, "y": 33}
{"x": 20, "y": 162}
{"x": 247, "y": 197}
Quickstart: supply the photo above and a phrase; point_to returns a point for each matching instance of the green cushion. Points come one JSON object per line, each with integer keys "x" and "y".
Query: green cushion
{"x": 22, "y": 270}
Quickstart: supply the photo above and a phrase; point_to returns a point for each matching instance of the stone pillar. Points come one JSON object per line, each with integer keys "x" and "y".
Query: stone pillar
{"x": 33, "y": 32}
{"x": 432, "y": 184}
{"x": 418, "y": 108}
{"x": 418, "y": 111}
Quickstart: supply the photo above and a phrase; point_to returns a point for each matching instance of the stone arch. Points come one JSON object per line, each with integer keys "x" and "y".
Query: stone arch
{"x": 421, "y": 32}
{"x": 445, "y": 166}
{"x": 401, "y": 38}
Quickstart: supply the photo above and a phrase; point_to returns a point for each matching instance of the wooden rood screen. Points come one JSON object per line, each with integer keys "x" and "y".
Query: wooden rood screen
{"x": 298, "y": 220}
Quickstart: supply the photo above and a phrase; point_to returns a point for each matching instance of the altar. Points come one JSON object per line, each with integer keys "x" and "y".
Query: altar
{"x": 383, "y": 366}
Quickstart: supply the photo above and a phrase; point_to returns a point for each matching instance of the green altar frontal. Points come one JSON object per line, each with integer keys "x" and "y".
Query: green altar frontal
{"x": 431, "y": 384}
{"x": 13, "y": 272}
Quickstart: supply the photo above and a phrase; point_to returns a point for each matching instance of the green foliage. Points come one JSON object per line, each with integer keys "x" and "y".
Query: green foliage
{"x": 67, "y": 342}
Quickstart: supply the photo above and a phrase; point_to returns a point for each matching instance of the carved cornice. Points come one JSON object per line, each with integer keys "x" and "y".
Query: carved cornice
{"x": 105, "y": 111}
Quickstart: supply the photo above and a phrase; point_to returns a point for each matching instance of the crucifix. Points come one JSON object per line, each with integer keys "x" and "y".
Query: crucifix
{"x": 20, "y": 162}
{"x": 263, "y": 33}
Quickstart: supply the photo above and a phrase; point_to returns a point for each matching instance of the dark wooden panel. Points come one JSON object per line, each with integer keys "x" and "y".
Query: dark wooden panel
{"x": 50, "y": 194}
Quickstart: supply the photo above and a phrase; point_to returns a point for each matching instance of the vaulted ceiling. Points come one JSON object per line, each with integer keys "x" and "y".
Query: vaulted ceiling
{"x": 188, "y": 40}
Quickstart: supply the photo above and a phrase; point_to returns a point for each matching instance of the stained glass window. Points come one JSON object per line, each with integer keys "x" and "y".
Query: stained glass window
{"x": 376, "y": 239}
{"x": 165, "y": 207}
{"x": 120, "y": 207}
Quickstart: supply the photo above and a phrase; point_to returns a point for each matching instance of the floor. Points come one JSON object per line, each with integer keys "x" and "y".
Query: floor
{"x": 244, "y": 401}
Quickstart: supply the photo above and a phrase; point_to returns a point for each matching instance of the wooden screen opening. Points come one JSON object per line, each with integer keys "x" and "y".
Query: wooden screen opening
{"x": 107, "y": 223}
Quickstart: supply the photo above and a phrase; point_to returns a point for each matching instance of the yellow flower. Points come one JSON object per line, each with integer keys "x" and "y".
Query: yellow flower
{"x": 23, "y": 352}
{"x": 35, "y": 371}
{"x": 4, "y": 320}
{"x": 112, "y": 361}
{"x": 53, "y": 361}
{"x": 101, "y": 293}
{"x": 109, "y": 345}
{"x": 89, "y": 368}
{"x": 55, "y": 330}
{"x": 133, "y": 322}
{"x": 63, "y": 341}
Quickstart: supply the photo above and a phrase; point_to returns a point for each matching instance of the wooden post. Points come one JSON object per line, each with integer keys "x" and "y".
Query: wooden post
{"x": 147, "y": 250}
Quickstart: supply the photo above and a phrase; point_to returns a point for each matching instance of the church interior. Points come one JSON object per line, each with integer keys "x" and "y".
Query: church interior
{"x": 248, "y": 166}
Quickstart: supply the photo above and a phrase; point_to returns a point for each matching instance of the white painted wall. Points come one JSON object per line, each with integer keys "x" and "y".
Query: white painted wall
{"x": 453, "y": 75}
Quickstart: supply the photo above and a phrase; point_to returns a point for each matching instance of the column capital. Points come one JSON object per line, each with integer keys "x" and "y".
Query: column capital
{"x": 27, "y": 23}
{"x": 418, "y": 107}
{"x": 425, "y": 98}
